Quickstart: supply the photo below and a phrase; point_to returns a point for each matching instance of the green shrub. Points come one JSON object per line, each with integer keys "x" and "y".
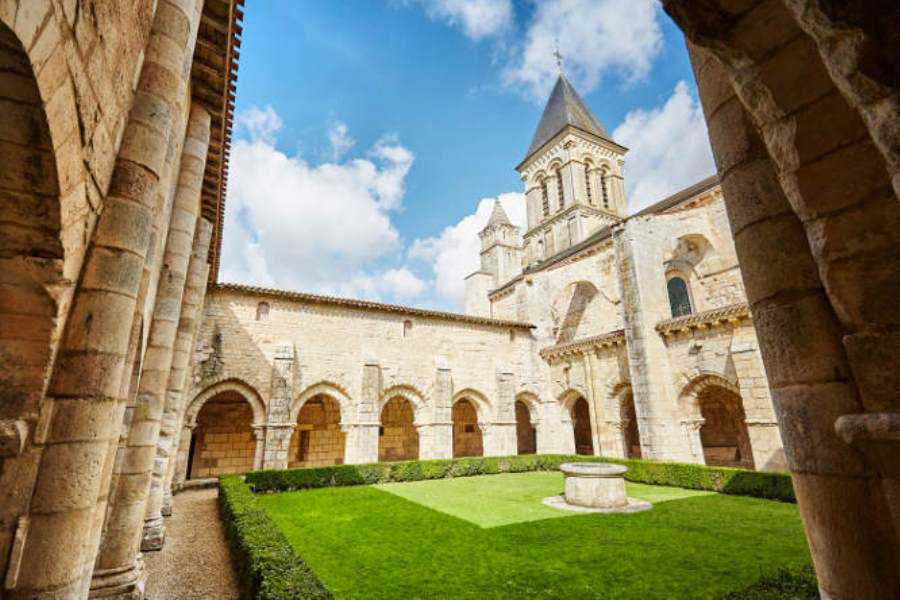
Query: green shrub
{"x": 739, "y": 482}
{"x": 786, "y": 584}
{"x": 267, "y": 566}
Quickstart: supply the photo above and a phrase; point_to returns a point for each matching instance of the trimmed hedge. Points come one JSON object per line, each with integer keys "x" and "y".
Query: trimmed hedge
{"x": 739, "y": 482}
{"x": 266, "y": 564}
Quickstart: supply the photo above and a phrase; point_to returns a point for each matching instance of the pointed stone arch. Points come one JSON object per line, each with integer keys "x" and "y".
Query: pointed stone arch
{"x": 527, "y": 417}
{"x": 327, "y": 388}
{"x": 578, "y": 417}
{"x": 410, "y": 393}
{"x": 244, "y": 389}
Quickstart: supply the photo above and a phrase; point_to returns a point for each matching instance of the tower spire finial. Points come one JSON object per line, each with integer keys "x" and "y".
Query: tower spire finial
{"x": 559, "y": 57}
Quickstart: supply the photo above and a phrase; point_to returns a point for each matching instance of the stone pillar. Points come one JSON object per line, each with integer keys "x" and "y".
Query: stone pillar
{"x": 276, "y": 439}
{"x": 436, "y": 437}
{"x": 61, "y": 541}
{"x": 500, "y": 437}
{"x": 167, "y": 313}
{"x": 188, "y": 323}
{"x": 801, "y": 343}
{"x": 184, "y": 449}
{"x": 362, "y": 436}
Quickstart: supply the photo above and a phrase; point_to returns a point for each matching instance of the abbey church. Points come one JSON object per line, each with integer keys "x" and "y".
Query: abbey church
{"x": 128, "y": 372}
{"x": 595, "y": 331}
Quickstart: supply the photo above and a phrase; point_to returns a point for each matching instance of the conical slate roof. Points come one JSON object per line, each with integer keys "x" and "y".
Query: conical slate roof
{"x": 565, "y": 107}
{"x": 498, "y": 216}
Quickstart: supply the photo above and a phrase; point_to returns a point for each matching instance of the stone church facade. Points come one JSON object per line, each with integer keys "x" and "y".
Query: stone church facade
{"x": 115, "y": 124}
{"x": 594, "y": 332}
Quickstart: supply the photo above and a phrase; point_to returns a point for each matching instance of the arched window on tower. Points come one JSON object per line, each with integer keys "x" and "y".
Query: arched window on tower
{"x": 587, "y": 182}
{"x": 561, "y": 188}
{"x": 545, "y": 198}
{"x": 262, "y": 311}
{"x": 604, "y": 188}
{"x": 679, "y": 296}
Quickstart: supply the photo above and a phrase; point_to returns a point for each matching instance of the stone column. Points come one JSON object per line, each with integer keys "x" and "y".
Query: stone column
{"x": 362, "y": 436}
{"x": 801, "y": 343}
{"x": 170, "y": 297}
{"x": 436, "y": 437}
{"x": 63, "y": 533}
{"x": 188, "y": 323}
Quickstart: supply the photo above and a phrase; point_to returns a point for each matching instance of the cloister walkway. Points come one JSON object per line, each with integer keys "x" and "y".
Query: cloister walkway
{"x": 195, "y": 561}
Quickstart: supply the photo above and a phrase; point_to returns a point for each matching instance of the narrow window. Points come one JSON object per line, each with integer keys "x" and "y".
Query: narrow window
{"x": 603, "y": 189}
{"x": 561, "y": 188}
{"x": 407, "y": 328}
{"x": 512, "y": 335}
{"x": 587, "y": 183}
{"x": 679, "y": 299}
{"x": 545, "y": 198}
{"x": 262, "y": 311}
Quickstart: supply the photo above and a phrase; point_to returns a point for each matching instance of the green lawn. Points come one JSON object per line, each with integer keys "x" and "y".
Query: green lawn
{"x": 490, "y": 537}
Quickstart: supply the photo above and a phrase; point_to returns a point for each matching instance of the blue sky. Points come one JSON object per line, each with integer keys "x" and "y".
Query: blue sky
{"x": 370, "y": 134}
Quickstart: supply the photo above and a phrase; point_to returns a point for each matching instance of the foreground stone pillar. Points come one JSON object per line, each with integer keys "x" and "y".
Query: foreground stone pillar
{"x": 801, "y": 343}
{"x": 188, "y": 324}
{"x": 169, "y": 298}
{"x": 61, "y": 541}
{"x": 277, "y": 441}
{"x": 361, "y": 444}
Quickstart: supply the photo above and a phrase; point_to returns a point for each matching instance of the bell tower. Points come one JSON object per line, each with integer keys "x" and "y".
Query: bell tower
{"x": 572, "y": 174}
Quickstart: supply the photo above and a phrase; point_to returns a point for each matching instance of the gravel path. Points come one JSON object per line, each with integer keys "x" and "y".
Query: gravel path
{"x": 195, "y": 561}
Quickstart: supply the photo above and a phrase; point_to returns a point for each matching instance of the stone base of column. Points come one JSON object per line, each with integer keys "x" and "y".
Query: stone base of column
{"x": 124, "y": 583}
{"x": 166, "y": 509}
{"x": 154, "y": 535}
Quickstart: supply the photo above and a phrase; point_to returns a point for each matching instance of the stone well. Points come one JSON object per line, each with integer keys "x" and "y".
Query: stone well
{"x": 595, "y": 487}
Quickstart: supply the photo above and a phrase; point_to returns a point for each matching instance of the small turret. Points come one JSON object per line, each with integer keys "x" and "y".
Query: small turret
{"x": 501, "y": 260}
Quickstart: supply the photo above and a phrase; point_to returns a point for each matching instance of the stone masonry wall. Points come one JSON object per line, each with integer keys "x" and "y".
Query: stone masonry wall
{"x": 224, "y": 439}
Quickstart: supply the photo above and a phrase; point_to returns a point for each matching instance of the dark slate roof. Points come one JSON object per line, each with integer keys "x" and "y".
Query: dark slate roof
{"x": 565, "y": 107}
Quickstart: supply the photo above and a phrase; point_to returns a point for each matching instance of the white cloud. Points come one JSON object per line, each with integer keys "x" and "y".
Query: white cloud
{"x": 454, "y": 254}
{"x": 340, "y": 140}
{"x": 477, "y": 18}
{"x": 668, "y": 148}
{"x": 261, "y": 124}
{"x": 322, "y": 228}
{"x": 595, "y": 37}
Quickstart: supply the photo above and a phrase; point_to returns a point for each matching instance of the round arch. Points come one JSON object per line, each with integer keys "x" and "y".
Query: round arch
{"x": 229, "y": 385}
{"x": 715, "y": 422}
{"x": 482, "y": 405}
{"x": 322, "y": 388}
{"x": 409, "y": 393}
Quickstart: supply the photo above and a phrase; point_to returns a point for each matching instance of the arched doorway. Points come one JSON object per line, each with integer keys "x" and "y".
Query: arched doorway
{"x": 581, "y": 425}
{"x": 526, "y": 434}
{"x": 631, "y": 436}
{"x": 317, "y": 440}
{"x": 724, "y": 435}
{"x": 223, "y": 440}
{"x": 31, "y": 268}
{"x": 467, "y": 438}
{"x": 398, "y": 438}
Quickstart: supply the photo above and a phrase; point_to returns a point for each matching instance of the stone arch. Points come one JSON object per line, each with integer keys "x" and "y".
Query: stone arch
{"x": 411, "y": 394}
{"x": 526, "y": 407}
{"x": 577, "y": 414}
{"x": 575, "y": 311}
{"x": 248, "y": 392}
{"x": 715, "y": 421}
{"x": 225, "y": 420}
{"x": 468, "y": 437}
{"x": 31, "y": 251}
{"x": 318, "y": 439}
{"x": 482, "y": 405}
{"x": 398, "y": 437}
{"x": 326, "y": 388}
{"x": 626, "y": 412}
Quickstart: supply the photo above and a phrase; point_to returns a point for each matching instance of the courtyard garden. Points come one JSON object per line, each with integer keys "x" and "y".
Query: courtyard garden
{"x": 490, "y": 536}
